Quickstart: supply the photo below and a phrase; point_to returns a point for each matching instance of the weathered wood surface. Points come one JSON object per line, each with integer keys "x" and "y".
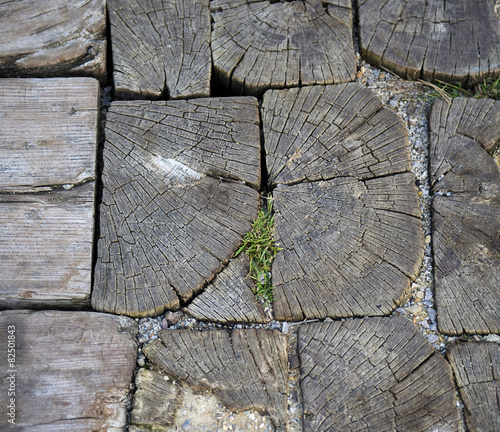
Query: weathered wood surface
{"x": 53, "y": 38}
{"x": 465, "y": 181}
{"x": 174, "y": 206}
{"x": 72, "y": 370}
{"x": 347, "y": 211}
{"x": 48, "y": 145}
{"x": 477, "y": 372}
{"x": 160, "y": 48}
{"x": 245, "y": 369}
{"x": 374, "y": 374}
{"x": 448, "y": 40}
{"x": 46, "y": 248}
{"x": 259, "y": 45}
{"x": 321, "y": 132}
{"x": 155, "y": 401}
{"x": 49, "y": 132}
{"x": 230, "y": 297}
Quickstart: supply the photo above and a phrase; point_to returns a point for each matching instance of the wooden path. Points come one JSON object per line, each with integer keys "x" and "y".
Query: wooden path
{"x": 134, "y": 207}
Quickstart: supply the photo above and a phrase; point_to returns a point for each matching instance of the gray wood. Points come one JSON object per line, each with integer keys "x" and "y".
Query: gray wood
{"x": 49, "y": 132}
{"x": 175, "y": 206}
{"x": 350, "y": 247}
{"x": 477, "y": 372}
{"x": 465, "y": 180}
{"x": 160, "y": 48}
{"x": 448, "y": 40}
{"x": 53, "y": 38}
{"x": 374, "y": 374}
{"x": 155, "y": 401}
{"x": 322, "y": 132}
{"x": 47, "y": 171}
{"x": 72, "y": 370}
{"x": 259, "y": 45}
{"x": 230, "y": 297}
{"x": 46, "y": 245}
{"x": 245, "y": 369}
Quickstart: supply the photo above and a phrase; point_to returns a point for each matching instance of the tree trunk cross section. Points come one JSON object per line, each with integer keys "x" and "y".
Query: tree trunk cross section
{"x": 53, "y": 38}
{"x": 477, "y": 371}
{"x": 347, "y": 210}
{"x": 161, "y": 47}
{"x": 376, "y": 374}
{"x": 72, "y": 370}
{"x": 245, "y": 369}
{"x": 175, "y": 201}
{"x": 447, "y": 40}
{"x": 465, "y": 181}
{"x": 259, "y": 45}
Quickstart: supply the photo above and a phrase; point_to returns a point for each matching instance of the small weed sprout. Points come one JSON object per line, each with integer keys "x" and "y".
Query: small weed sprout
{"x": 489, "y": 88}
{"x": 259, "y": 245}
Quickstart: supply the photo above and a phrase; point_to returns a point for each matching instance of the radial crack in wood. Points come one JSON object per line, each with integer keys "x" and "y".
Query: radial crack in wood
{"x": 321, "y": 132}
{"x": 72, "y": 370}
{"x": 160, "y": 47}
{"x": 259, "y": 45}
{"x": 448, "y": 40}
{"x": 376, "y": 374}
{"x": 245, "y": 369}
{"x": 53, "y": 38}
{"x": 230, "y": 297}
{"x": 465, "y": 180}
{"x": 477, "y": 372}
{"x": 170, "y": 215}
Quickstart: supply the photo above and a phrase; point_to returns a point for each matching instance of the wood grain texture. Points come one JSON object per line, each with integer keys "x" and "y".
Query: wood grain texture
{"x": 322, "y": 132}
{"x": 230, "y": 297}
{"x": 477, "y": 372}
{"x": 160, "y": 48}
{"x": 347, "y": 212}
{"x": 465, "y": 180}
{"x": 53, "y": 38}
{"x": 350, "y": 247}
{"x": 373, "y": 374}
{"x": 175, "y": 206}
{"x": 448, "y": 40}
{"x": 262, "y": 45}
{"x": 245, "y": 369}
{"x": 73, "y": 370}
{"x": 46, "y": 248}
{"x": 49, "y": 132}
{"x": 155, "y": 401}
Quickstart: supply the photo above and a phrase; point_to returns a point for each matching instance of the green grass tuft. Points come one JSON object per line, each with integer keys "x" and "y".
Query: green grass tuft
{"x": 259, "y": 245}
{"x": 489, "y": 88}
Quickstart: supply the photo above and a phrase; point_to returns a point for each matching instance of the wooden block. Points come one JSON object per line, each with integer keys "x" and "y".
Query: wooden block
{"x": 245, "y": 369}
{"x": 465, "y": 181}
{"x": 72, "y": 370}
{"x": 373, "y": 374}
{"x": 262, "y": 45}
{"x": 53, "y": 38}
{"x": 230, "y": 298}
{"x": 49, "y": 133}
{"x": 161, "y": 48}
{"x": 444, "y": 40}
{"x": 477, "y": 371}
{"x": 347, "y": 210}
{"x": 176, "y": 201}
{"x": 47, "y": 172}
{"x": 155, "y": 401}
